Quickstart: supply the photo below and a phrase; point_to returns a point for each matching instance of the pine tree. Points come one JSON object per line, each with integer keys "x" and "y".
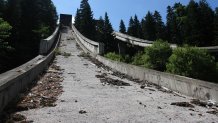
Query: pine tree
{"x": 192, "y": 24}
{"x": 134, "y": 28}
{"x": 180, "y": 14}
{"x": 31, "y": 21}
{"x": 143, "y": 28}
{"x": 216, "y": 27}
{"x": 206, "y": 15}
{"x": 130, "y": 30}
{"x": 100, "y": 30}
{"x": 137, "y": 28}
{"x": 122, "y": 27}
{"x": 108, "y": 38}
{"x": 77, "y": 19}
{"x": 13, "y": 16}
{"x": 148, "y": 27}
{"x": 5, "y": 48}
{"x": 159, "y": 26}
{"x": 2, "y": 7}
{"x": 171, "y": 25}
{"x": 87, "y": 24}
{"x": 4, "y": 34}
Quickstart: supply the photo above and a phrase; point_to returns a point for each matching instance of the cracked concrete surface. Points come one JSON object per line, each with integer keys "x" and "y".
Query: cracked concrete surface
{"x": 86, "y": 100}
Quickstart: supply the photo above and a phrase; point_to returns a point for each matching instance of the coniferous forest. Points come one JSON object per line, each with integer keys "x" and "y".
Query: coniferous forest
{"x": 23, "y": 23}
{"x": 188, "y": 26}
{"x": 194, "y": 24}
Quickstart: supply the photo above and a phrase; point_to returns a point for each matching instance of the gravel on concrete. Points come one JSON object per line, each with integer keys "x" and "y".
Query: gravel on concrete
{"x": 87, "y": 100}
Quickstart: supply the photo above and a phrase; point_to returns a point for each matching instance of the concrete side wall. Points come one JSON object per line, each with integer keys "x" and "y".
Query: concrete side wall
{"x": 136, "y": 41}
{"x": 187, "y": 86}
{"x": 46, "y": 44}
{"x": 92, "y": 46}
{"x": 191, "y": 87}
{"x": 14, "y": 81}
{"x": 126, "y": 38}
{"x": 146, "y": 43}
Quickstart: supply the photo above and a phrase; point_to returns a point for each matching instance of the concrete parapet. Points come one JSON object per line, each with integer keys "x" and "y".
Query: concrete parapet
{"x": 145, "y": 43}
{"x": 46, "y": 44}
{"x": 191, "y": 87}
{"x": 135, "y": 41}
{"x": 91, "y": 46}
{"x": 16, "y": 80}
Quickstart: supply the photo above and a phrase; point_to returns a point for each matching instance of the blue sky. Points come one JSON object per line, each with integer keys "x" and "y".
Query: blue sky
{"x": 122, "y": 9}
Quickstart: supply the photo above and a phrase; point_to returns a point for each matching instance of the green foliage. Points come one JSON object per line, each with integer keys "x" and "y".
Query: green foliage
{"x": 154, "y": 57}
{"x": 157, "y": 55}
{"x": 127, "y": 59}
{"x": 77, "y": 19}
{"x": 2, "y": 7}
{"x": 31, "y": 20}
{"x": 104, "y": 30}
{"x": 4, "y": 29}
{"x": 148, "y": 27}
{"x": 179, "y": 24}
{"x": 43, "y": 31}
{"x": 4, "y": 34}
{"x": 216, "y": 27}
{"x": 130, "y": 30}
{"x": 171, "y": 25}
{"x": 100, "y": 30}
{"x": 84, "y": 20}
{"x": 122, "y": 27}
{"x": 206, "y": 15}
{"x": 192, "y": 62}
{"x": 114, "y": 56}
{"x": 134, "y": 28}
{"x": 138, "y": 59}
{"x": 159, "y": 26}
{"x": 108, "y": 38}
{"x": 195, "y": 24}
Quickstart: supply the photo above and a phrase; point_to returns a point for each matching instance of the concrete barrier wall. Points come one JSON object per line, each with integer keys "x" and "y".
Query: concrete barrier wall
{"x": 191, "y": 87}
{"x": 127, "y": 38}
{"x": 146, "y": 43}
{"x": 136, "y": 41}
{"x": 16, "y": 80}
{"x": 91, "y": 46}
{"x": 46, "y": 44}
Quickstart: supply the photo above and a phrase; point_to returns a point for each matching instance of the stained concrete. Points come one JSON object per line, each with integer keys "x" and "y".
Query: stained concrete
{"x": 106, "y": 103}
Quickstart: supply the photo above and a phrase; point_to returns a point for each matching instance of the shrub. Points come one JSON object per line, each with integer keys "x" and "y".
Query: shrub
{"x": 127, "y": 59}
{"x": 4, "y": 35}
{"x": 157, "y": 55}
{"x": 137, "y": 59}
{"x": 114, "y": 56}
{"x": 192, "y": 62}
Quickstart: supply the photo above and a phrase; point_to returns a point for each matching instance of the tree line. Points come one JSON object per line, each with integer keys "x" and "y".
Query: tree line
{"x": 24, "y": 23}
{"x": 195, "y": 24}
{"x": 96, "y": 29}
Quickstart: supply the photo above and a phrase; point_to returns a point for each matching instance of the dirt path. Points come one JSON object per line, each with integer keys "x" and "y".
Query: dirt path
{"x": 87, "y": 99}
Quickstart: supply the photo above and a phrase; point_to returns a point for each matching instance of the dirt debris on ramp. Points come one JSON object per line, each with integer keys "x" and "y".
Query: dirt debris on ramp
{"x": 86, "y": 100}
